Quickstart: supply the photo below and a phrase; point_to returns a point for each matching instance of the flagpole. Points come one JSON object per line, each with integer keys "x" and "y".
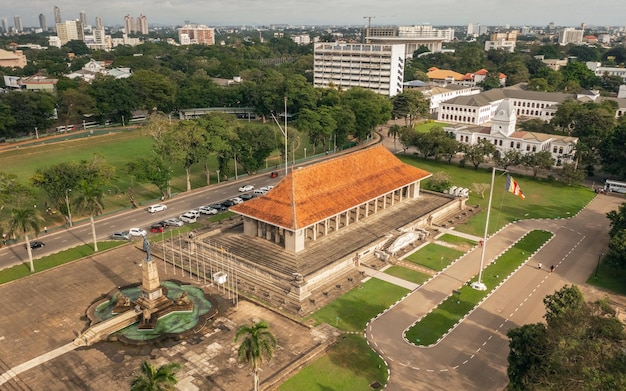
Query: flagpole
{"x": 479, "y": 285}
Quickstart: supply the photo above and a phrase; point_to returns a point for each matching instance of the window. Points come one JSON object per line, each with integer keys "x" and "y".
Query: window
{"x": 534, "y": 148}
{"x": 513, "y": 144}
{"x": 527, "y": 148}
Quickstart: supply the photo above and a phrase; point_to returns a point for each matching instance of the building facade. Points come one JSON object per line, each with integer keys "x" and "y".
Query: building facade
{"x": 196, "y": 34}
{"x": 14, "y": 59}
{"x": 570, "y": 35}
{"x": 379, "y": 68}
{"x": 42, "y": 22}
{"x": 69, "y": 31}
{"x": 142, "y": 24}
{"x": 413, "y": 37}
{"x": 129, "y": 24}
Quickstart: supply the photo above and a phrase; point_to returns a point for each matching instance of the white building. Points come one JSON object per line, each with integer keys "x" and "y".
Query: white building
{"x": 379, "y": 68}
{"x": 413, "y": 37}
{"x": 503, "y": 135}
{"x": 570, "y": 35}
{"x": 508, "y": 46}
{"x": 600, "y": 71}
{"x": 69, "y": 31}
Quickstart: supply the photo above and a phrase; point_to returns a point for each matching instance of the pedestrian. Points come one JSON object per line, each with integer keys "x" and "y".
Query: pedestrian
{"x": 551, "y": 268}
{"x": 539, "y": 265}
{"x": 45, "y": 229}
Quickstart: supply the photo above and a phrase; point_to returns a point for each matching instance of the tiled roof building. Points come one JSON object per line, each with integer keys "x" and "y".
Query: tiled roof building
{"x": 315, "y": 200}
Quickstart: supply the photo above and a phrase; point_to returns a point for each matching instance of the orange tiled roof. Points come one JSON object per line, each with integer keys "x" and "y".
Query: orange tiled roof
{"x": 481, "y": 72}
{"x": 441, "y": 74}
{"x": 313, "y": 193}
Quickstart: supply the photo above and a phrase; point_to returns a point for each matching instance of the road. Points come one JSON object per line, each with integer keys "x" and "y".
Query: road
{"x": 107, "y": 224}
{"x": 474, "y": 355}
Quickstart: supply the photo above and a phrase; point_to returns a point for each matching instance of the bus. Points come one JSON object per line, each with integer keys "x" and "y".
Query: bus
{"x": 614, "y": 186}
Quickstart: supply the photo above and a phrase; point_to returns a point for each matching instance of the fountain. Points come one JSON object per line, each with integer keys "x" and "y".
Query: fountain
{"x": 149, "y": 311}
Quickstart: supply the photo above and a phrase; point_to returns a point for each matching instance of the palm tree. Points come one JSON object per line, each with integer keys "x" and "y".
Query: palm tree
{"x": 89, "y": 201}
{"x": 153, "y": 379}
{"x": 22, "y": 221}
{"x": 258, "y": 343}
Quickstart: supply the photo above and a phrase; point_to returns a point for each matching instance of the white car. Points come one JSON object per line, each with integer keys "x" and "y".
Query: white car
{"x": 173, "y": 222}
{"x": 137, "y": 232}
{"x": 194, "y": 212}
{"x": 157, "y": 208}
{"x": 188, "y": 217}
{"x": 246, "y": 188}
{"x": 270, "y": 187}
{"x": 237, "y": 200}
{"x": 207, "y": 210}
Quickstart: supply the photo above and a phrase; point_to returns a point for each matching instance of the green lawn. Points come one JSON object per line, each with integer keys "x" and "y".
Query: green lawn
{"x": 353, "y": 310}
{"x": 424, "y": 127}
{"x": 610, "y": 278}
{"x": 53, "y": 260}
{"x": 544, "y": 198}
{"x": 434, "y": 256}
{"x": 349, "y": 365}
{"x": 436, "y": 323}
{"x": 407, "y": 274}
{"x": 457, "y": 240}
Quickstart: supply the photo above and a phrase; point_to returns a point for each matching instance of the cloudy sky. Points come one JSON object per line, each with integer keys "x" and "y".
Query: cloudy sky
{"x": 328, "y": 12}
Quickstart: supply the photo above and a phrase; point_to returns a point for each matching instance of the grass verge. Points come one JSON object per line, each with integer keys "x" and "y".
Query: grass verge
{"x": 353, "y": 310}
{"x": 407, "y": 274}
{"x": 434, "y": 256}
{"x": 610, "y": 278}
{"x": 435, "y": 324}
{"x": 53, "y": 260}
{"x": 349, "y": 365}
{"x": 457, "y": 240}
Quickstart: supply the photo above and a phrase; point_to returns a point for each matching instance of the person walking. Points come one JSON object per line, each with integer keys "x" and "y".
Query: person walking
{"x": 551, "y": 268}
{"x": 539, "y": 265}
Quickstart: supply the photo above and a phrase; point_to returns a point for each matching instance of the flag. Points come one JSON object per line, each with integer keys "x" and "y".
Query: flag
{"x": 513, "y": 187}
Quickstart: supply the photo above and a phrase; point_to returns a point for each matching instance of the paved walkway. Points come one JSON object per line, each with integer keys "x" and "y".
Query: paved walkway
{"x": 379, "y": 274}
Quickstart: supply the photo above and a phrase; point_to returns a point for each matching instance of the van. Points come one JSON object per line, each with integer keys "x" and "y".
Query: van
{"x": 259, "y": 192}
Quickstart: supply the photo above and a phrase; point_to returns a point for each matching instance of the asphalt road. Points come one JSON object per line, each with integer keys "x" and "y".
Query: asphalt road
{"x": 57, "y": 240}
{"x": 474, "y": 355}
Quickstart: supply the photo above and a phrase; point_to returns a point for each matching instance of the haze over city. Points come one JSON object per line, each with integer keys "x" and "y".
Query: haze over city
{"x": 326, "y": 12}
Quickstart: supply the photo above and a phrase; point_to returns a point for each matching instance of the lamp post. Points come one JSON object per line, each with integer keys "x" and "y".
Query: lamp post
{"x": 67, "y": 203}
{"x": 235, "y": 157}
{"x": 598, "y": 265}
{"x": 304, "y": 153}
{"x": 218, "y": 176}
{"x": 284, "y": 132}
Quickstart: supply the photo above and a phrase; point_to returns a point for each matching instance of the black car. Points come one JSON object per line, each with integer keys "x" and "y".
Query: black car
{"x": 227, "y": 204}
{"x": 219, "y": 207}
{"x": 246, "y": 196}
{"x": 36, "y": 244}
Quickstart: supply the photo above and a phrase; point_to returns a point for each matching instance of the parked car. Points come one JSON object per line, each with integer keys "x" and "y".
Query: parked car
{"x": 137, "y": 232}
{"x": 120, "y": 235}
{"x": 173, "y": 222}
{"x": 274, "y": 174}
{"x": 207, "y": 210}
{"x": 259, "y": 192}
{"x": 246, "y": 188}
{"x": 36, "y": 244}
{"x": 157, "y": 208}
{"x": 156, "y": 228}
{"x": 270, "y": 187}
{"x": 219, "y": 207}
{"x": 246, "y": 196}
{"x": 194, "y": 212}
{"x": 227, "y": 204}
{"x": 236, "y": 200}
{"x": 188, "y": 217}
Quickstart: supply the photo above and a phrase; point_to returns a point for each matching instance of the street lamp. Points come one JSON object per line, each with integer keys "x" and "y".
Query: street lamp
{"x": 304, "y": 153}
{"x": 218, "y": 176}
{"x": 67, "y": 203}
{"x": 284, "y": 132}
{"x": 598, "y": 265}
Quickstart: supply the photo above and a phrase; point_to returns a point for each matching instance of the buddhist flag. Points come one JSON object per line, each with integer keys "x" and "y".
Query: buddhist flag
{"x": 513, "y": 187}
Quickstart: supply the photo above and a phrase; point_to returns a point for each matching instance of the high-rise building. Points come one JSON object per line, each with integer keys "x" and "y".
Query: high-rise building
{"x": 129, "y": 24}
{"x": 42, "y": 22}
{"x": 196, "y": 34}
{"x": 5, "y": 25}
{"x": 83, "y": 18}
{"x": 17, "y": 22}
{"x": 142, "y": 24}
{"x": 70, "y": 31}
{"x": 57, "y": 15}
{"x": 377, "y": 67}
{"x": 99, "y": 24}
{"x": 413, "y": 37}
{"x": 570, "y": 35}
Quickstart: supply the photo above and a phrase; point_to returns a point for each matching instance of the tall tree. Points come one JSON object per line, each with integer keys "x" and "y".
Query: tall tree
{"x": 156, "y": 379}
{"x": 155, "y": 92}
{"x": 538, "y": 161}
{"x": 257, "y": 345}
{"x": 115, "y": 98}
{"x": 476, "y": 153}
{"x": 21, "y": 222}
{"x": 410, "y": 105}
{"x": 89, "y": 200}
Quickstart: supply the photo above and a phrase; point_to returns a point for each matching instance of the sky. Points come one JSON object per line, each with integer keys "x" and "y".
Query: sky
{"x": 327, "y": 12}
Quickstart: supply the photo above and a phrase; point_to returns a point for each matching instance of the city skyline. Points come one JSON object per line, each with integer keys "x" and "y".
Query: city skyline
{"x": 324, "y": 12}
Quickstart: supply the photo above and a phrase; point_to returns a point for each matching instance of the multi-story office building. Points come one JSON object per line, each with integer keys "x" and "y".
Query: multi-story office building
{"x": 570, "y": 35}
{"x": 196, "y": 34}
{"x": 42, "y": 22}
{"x": 412, "y": 37}
{"x": 129, "y": 24}
{"x": 99, "y": 24}
{"x": 377, "y": 67}
{"x": 69, "y": 31}
{"x": 83, "y": 18}
{"x": 5, "y": 25}
{"x": 142, "y": 24}
{"x": 57, "y": 15}
{"x": 17, "y": 22}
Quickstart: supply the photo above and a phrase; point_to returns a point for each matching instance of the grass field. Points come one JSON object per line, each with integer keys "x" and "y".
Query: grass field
{"x": 407, "y": 274}
{"x": 353, "y": 310}
{"x": 456, "y": 240}
{"x": 436, "y": 323}
{"x": 544, "y": 198}
{"x": 349, "y": 365}
{"x": 434, "y": 256}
